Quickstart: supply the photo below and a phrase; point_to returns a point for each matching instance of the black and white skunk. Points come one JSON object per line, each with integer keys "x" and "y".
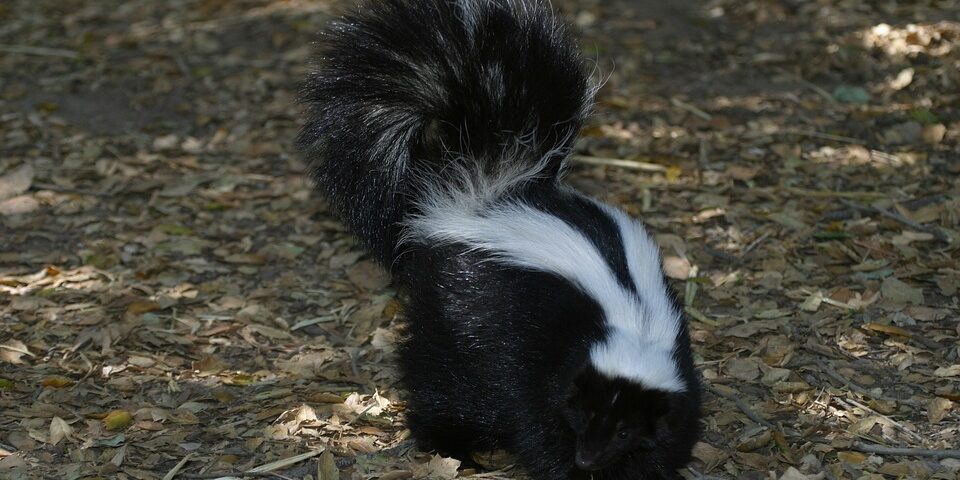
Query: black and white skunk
{"x": 539, "y": 320}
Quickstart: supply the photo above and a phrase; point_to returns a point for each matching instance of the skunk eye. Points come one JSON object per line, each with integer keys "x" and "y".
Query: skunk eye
{"x": 623, "y": 434}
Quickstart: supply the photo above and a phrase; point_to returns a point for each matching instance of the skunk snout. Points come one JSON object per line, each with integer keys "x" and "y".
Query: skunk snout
{"x": 586, "y": 461}
{"x": 589, "y": 460}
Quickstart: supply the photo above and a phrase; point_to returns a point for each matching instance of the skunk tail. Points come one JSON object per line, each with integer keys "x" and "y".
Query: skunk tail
{"x": 408, "y": 91}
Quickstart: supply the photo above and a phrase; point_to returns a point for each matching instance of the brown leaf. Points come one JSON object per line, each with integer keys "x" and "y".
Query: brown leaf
{"x": 854, "y": 458}
{"x": 56, "y": 382}
{"x": 676, "y": 267}
{"x": 15, "y": 182}
{"x": 938, "y": 408}
{"x": 951, "y": 371}
{"x": 753, "y": 460}
{"x": 397, "y": 475}
{"x": 59, "y": 430}
{"x": 897, "y": 291}
{"x": 888, "y": 329}
{"x": 246, "y": 259}
{"x": 368, "y": 275}
{"x": 751, "y": 328}
{"x": 209, "y": 365}
{"x": 143, "y": 306}
{"x": 746, "y": 369}
{"x": 21, "y": 205}
{"x": 327, "y": 467}
{"x": 12, "y": 351}
{"x": 755, "y": 442}
{"x": 709, "y": 454}
{"x": 439, "y": 468}
{"x": 323, "y": 397}
{"x": 117, "y": 420}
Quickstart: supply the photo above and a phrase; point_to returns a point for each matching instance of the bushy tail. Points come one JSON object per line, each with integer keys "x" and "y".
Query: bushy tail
{"x": 405, "y": 89}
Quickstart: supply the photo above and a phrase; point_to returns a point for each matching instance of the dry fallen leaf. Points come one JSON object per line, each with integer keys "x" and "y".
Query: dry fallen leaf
{"x": 327, "y": 467}
{"x": 12, "y": 351}
{"x": 745, "y": 369}
{"x": 938, "y": 408}
{"x": 17, "y": 181}
{"x": 117, "y": 420}
{"x": 59, "y": 430}
{"x": 897, "y": 291}
{"x": 439, "y": 468}
{"x": 950, "y": 371}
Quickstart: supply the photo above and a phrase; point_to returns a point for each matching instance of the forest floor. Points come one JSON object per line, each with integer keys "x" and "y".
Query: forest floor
{"x": 174, "y": 300}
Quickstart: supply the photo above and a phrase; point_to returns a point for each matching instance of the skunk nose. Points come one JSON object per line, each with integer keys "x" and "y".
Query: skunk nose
{"x": 585, "y": 461}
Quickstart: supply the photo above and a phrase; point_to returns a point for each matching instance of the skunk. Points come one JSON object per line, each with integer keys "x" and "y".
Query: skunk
{"x": 539, "y": 320}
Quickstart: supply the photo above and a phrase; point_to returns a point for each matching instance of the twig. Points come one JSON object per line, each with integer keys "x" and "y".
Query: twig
{"x": 816, "y": 88}
{"x": 755, "y": 243}
{"x": 700, "y": 317}
{"x": 724, "y": 255}
{"x": 702, "y": 160}
{"x": 914, "y": 452}
{"x": 39, "y": 51}
{"x": 806, "y": 192}
{"x": 619, "y": 162}
{"x": 923, "y": 202}
{"x": 676, "y": 102}
{"x": 57, "y": 188}
{"x": 821, "y": 135}
{"x": 742, "y": 406}
{"x": 838, "y": 215}
{"x": 936, "y": 232}
{"x": 237, "y": 474}
{"x": 903, "y": 428}
{"x": 176, "y": 468}
{"x": 861, "y": 390}
{"x": 182, "y": 66}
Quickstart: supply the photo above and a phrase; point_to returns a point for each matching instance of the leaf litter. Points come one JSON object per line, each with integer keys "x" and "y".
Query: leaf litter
{"x": 175, "y": 302}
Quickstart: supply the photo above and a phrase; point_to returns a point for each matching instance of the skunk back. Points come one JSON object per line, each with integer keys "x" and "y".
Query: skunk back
{"x": 407, "y": 91}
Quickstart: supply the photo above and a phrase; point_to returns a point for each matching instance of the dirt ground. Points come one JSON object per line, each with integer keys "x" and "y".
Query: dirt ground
{"x": 175, "y": 302}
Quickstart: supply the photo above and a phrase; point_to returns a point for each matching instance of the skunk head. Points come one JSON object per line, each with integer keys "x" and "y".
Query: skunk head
{"x": 620, "y": 424}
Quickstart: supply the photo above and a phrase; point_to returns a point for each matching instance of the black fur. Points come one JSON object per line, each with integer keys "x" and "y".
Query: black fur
{"x": 494, "y": 356}
{"x": 402, "y": 86}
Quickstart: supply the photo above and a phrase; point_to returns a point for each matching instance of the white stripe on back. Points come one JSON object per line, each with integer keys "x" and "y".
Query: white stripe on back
{"x": 642, "y": 327}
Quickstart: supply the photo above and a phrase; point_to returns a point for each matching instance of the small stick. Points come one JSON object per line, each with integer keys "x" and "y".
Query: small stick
{"x": 755, "y": 243}
{"x": 176, "y": 468}
{"x": 816, "y": 88}
{"x": 58, "y": 188}
{"x": 235, "y": 474}
{"x": 39, "y": 51}
{"x": 676, "y": 102}
{"x": 831, "y": 194}
{"x": 822, "y": 136}
{"x": 700, "y": 317}
{"x": 915, "y": 452}
{"x": 619, "y": 162}
{"x": 936, "y": 232}
{"x": 899, "y": 425}
{"x": 182, "y": 66}
{"x": 723, "y": 255}
{"x": 702, "y": 159}
{"x": 863, "y": 391}
{"x": 742, "y": 406}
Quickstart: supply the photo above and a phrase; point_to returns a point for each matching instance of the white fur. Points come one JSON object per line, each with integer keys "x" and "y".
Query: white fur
{"x": 642, "y": 327}
{"x": 647, "y": 344}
